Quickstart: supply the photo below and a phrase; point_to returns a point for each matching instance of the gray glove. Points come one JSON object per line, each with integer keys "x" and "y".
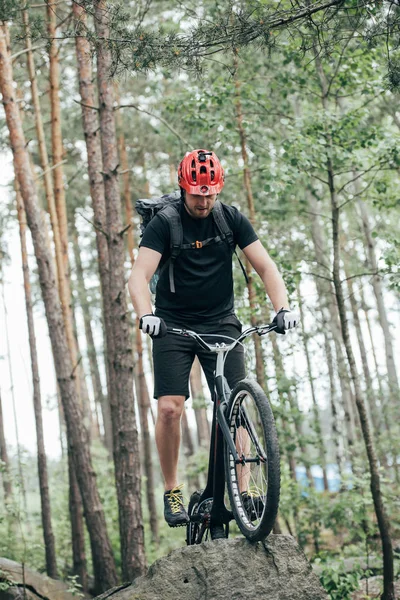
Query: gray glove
{"x": 154, "y": 326}
{"x": 285, "y": 319}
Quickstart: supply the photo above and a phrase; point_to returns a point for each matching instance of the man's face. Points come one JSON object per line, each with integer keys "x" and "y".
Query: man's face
{"x": 199, "y": 206}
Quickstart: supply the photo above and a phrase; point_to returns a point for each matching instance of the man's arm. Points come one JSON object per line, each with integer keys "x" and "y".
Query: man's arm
{"x": 267, "y": 270}
{"x": 143, "y": 270}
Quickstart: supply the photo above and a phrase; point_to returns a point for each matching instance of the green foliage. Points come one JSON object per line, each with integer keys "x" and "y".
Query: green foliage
{"x": 8, "y": 9}
{"x": 74, "y": 587}
{"x": 338, "y": 583}
{"x": 393, "y": 75}
{"x": 5, "y": 581}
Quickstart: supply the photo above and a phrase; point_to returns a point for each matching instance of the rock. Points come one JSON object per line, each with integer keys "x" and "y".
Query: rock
{"x": 26, "y": 584}
{"x": 228, "y": 570}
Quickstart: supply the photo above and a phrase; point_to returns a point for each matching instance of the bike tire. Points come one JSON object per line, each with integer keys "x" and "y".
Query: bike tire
{"x": 262, "y": 446}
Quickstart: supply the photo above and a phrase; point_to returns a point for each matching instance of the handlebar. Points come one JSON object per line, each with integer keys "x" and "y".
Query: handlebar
{"x": 218, "y": 347}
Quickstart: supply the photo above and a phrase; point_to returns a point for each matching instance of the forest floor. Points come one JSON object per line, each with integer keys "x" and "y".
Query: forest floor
{"x": 371, "y": 588}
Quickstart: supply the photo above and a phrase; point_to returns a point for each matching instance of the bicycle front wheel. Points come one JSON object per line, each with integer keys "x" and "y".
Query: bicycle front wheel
{"x": 253, "y": 481}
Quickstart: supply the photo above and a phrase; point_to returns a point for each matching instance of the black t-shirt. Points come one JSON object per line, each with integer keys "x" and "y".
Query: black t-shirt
{"x": 202, "y": 276}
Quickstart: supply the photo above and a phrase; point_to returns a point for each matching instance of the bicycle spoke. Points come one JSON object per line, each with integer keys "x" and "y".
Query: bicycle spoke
{"x": 253, "y": 494}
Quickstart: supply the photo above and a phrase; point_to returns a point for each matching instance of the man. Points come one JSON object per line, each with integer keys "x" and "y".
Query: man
{"x": 195, "y": 290}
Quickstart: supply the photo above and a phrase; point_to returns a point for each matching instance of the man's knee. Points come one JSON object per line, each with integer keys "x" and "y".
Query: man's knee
{"x": 170, "y": 408}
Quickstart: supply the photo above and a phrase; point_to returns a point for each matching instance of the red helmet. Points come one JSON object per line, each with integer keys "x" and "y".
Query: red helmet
{"x": 200, "y": 172}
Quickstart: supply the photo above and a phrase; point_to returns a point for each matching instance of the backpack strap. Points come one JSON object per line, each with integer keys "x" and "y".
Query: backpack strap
{"x": 222, "y": 223}
{"x": 226, "y": 232}
{"x": 172, "y": 216}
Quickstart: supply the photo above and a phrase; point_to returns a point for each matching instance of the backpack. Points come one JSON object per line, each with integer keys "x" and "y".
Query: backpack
{"x": 167, "y": 206}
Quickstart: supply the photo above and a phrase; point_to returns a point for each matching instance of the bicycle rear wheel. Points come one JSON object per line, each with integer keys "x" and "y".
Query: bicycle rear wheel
{"x": 253, "y": 481}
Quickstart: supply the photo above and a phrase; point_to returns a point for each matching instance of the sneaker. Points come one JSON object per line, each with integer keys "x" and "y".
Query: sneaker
{"x": 217, "y": 532}
{"x": 174, "y": 511}
{"x": 253, "y": 504}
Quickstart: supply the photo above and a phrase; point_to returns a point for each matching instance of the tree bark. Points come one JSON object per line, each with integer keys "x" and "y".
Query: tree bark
{"x": 380, "y": 511}
{"x": 7, "y": 487}
{"x": 143, "y": 398}
{"x": 91, "y": 350}
{"x": 96, "y": 185}
{"x": 188, "y": 446}
{"x": 337, "y": 437}
{"x": 317, "y": 419}
{"x": 384, "y": 419}
{"x": 382, "y": 314}
{"x": 331, "y": 320}
{"x": 199, "y": 405}
{"x": 370, "y": 393}
{"x": 143, "y": 405}
{"x": 125, "y": 435}
{"x": 260, "y": 370}
{"x": 13, "y": 403}
{"x": 56, "y": 132}
{"x": 60, "y": 250}
{"x": 103, "y": 561}
{"x": 383, "y": 522}
{"x": 49, "y": 543}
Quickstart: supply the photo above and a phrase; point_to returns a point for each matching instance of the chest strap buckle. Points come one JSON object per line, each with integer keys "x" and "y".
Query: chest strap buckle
{"x": 198, "y": 244}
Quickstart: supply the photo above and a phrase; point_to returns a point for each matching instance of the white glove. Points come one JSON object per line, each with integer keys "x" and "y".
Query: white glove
{"x": 285, "y": 319}
{"x": 154, "y": 326}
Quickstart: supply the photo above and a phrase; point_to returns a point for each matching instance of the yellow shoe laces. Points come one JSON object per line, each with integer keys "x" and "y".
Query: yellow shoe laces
{"x": 254, "y": 492}
{"x": 175, "y": 498}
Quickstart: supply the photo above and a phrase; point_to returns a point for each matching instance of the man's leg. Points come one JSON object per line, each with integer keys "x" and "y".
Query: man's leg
{"x": 168, "y": 436}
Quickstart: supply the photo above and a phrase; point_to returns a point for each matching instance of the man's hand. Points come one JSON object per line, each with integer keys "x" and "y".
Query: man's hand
{"x": 154, "y": 326}
{"x": 285, "y": 319}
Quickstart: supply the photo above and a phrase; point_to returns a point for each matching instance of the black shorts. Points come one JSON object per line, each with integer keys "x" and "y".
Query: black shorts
{"x": 173, "y": 356}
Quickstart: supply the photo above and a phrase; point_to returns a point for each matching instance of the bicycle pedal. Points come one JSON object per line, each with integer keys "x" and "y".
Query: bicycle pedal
{"x": 196, "y": 518}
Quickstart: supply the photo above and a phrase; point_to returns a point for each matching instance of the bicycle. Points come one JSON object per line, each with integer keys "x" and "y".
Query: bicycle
{"x": 244, "y": 449}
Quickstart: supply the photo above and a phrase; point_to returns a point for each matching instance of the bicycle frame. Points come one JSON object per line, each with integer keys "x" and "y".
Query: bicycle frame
{"x": 215, "y": 486}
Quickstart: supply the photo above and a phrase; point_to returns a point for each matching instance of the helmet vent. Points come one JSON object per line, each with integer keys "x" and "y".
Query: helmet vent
{"x": 194, "y": 176}
{"x": 193, "y": 164}
{"x": 212, "y": 175}
{"x": 211, "y": 163}
{"x": 203, "y": 170}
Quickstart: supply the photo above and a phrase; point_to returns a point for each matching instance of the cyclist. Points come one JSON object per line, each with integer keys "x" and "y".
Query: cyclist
{"x": 195, "y": 292}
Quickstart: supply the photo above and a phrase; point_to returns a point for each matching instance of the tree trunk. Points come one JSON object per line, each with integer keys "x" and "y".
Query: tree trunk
{"x": 382, "y": 314}
{"x": 383, "y": 522}
{"x": 260, "y": 370}
{"x": 331, "y": 319}
{"x": 337, "y": 437}
{"x": 317, "y": 419}
{"x": 49, "y": 543}
{"x": 199, "y": 405}
{"x": 76, "y": 518}
{"x": 380, "y": 511}
{"x": 103, "y": 561}
{"x": 13, "y": 403}
{"x": 143, "y": 398}
{"x": 60, "y": 250}
{"x": 296, "y": 414}
{"x": 84, "y": 392}
{"x": 91, "y": 350}
{"x": 125, "y": 436}
{"x": 370, "y": 393}
{"x": 7, "y": 488}
{"x": 188, "y": 446}
{"x": 384, "y": 419}
{"x": 144, "y": 404}
{"x": 56, "y": 132}
{"x": 96, "y": 185}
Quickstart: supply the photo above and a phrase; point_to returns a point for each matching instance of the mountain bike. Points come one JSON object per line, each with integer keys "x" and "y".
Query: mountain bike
{"x": 244, "y": 453}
